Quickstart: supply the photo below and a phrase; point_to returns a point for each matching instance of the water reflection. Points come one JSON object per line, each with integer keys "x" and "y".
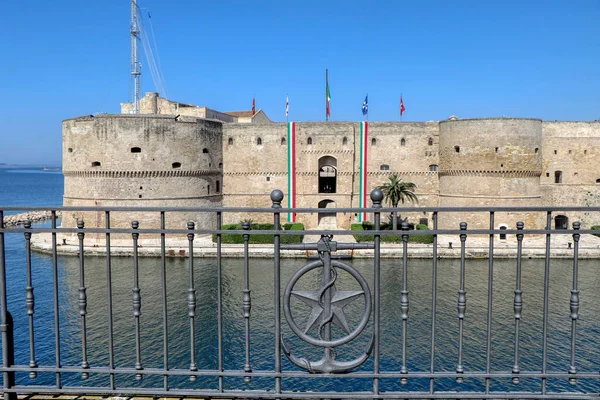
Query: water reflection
{"x": 262, "y": 323}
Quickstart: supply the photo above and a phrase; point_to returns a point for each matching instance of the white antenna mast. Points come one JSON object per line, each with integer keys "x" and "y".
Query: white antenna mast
{"x": 135, "y": 67}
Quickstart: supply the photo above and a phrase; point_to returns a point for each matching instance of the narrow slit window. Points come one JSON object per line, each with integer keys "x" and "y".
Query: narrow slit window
{"x": 230, "y": 141}
{"x": 259, "y": 141}
{"x": 403, "y": 142}
{"x": 283, "y": 141}
{"x": 96, "y": 163}
{"x": 136, "y": 150}
{"x": 309, "y": 141}
{"x": 457, "y": 149}
{"x": 557, "y": 176}
{"x": 205, "y": 150}
{"x": 373, "y": 142}
{"x": 344, "y": 141}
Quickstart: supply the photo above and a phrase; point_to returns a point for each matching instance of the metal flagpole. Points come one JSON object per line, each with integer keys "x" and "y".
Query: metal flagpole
{"x": 287, "y": 108}
{"x": 326, "y": 95}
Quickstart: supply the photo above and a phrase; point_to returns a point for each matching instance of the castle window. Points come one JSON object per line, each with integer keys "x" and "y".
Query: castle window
{"x": 218, "y": 186}
{"x": 309, "y": 140}
{"x": 268, "y": 179}
{"x": 230, "y": 141}
{"x": 430, "y": 141}
{"x": 433, "y": 167}
{"x": 136, "y": 150}
{"x": 373, "y": 142}
{"x": 220, "y": 165}
{"x": 457, "y": 149}
{"x": 282, "y": 141}
{"x": 176, "y": 165}
{"x": 140, "y": 196}
{"x": 585, "y": 152}
{"x": 207, "y": 189}
{"x": 403, "y": 142}
{"x": 557, "y": 176}
{"x": 205, "y": 150}
{"x": 496, "y": 149}
{"x": 536, "y": 149}
{"x": 547, "y": 174}
{"x": 570, "y": 151}
{"x": 575, "y": 173}
{"x": 345, "y": 141}
{"x": 555, "y": 152}
{"x": 96, "y": 163}
{"x": 384, "y": 167}
{"x": 259, "y": 141}
{"x": 598, "y": 180}
{"x": 70, "y": 150}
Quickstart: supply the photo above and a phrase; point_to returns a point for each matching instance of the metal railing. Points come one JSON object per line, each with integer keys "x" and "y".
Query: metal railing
{"x": 342, "y": 342}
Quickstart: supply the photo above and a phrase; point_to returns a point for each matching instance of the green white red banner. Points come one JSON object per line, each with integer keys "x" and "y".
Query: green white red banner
{"x": 364, "y": 140}
{"x": 291, "y": 140}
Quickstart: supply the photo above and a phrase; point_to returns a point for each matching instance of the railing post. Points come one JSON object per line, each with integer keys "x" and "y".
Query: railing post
{"x": 276, "y": 198}
{"x": 461, "y": 304}
{"x": 246, "y": 301}
{"x": 404, "y": 299}
{"x": 6, "y": 326}
{"x": 376, "y": 198}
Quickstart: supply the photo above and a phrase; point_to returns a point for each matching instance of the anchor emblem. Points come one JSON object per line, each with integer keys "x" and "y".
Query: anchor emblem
{"x": 327, "y": 308}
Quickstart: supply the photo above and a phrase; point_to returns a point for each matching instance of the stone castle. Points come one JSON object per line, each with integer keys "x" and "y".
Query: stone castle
{"x": 180, "y": 155}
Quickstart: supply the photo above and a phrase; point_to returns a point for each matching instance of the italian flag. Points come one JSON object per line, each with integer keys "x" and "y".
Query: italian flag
{"x": 328, "y": 101}
{"x": 291, "y": 140}
{"x": 364, "y": 140}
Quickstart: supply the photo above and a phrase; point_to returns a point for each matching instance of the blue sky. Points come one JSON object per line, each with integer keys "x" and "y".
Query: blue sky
{"x": 469, "y": 58}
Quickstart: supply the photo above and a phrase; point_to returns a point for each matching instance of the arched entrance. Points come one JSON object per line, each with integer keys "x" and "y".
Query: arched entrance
{"x": 327, "y": 220}
{"x": 561, "y": 222}
{"x": 327, "y": 174}
{"x": 502, "y": 236}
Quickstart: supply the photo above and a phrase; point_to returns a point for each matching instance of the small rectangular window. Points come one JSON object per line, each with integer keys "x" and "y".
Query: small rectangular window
{"x": 218, "y": 186}
{"x": 557, "y": 176}
{"x": 208, "y": 189}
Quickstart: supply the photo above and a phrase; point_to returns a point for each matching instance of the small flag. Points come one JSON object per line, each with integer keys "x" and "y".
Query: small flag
{"x": 328, "y": 100}
{"x": 287, "y": 106}
{"x": 402, "y": 109}
{"x": 253, "y": 106}
{"x": 365, "y": 107}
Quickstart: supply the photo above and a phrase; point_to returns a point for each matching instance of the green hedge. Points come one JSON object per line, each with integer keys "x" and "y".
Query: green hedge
{"x": 427, "y": 239}
{"x": 596, "y": 228}
{"x": 234, "y": 238}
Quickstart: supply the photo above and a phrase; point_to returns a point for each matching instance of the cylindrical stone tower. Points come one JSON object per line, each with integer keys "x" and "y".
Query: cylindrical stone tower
{"x": 490, "y": 162}
{"x": 142, "y": 161}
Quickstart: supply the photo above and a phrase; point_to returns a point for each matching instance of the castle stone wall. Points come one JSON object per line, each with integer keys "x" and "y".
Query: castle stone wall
{"x": 489, "y": 162}
{"x": 138, "y": 161}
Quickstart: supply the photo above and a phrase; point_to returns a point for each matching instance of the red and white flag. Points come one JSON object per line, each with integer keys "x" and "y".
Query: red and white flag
{"x": 402, "y": 109}
{"x": 287, "y": 106}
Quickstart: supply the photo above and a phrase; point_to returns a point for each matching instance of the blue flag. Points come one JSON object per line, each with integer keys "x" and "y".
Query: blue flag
{"x": 365, "y": 107}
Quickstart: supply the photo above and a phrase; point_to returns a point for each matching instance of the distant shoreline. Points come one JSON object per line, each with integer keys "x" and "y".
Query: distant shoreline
{"x": 47, "y": 166}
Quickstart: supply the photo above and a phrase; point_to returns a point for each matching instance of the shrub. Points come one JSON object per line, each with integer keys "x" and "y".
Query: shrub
{"x": 425, "y": 239}
{"x": 235, "y": 238}
{"x": 596, "y": 228}
{"x": 363, "y": 237}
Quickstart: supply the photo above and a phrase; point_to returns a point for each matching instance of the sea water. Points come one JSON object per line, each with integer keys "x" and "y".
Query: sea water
{"x": 36, "y": 187}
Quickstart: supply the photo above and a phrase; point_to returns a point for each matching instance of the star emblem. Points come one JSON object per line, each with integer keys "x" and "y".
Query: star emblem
{"x": 339, "y": 300}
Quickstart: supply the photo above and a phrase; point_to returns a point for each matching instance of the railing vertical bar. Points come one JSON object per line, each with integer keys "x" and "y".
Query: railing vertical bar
{"x": 6, "y": 326}
{"x": 433, "y": 301}
{"x": 574, "y": 301}
{"x": 518, "y": 301}
{"x": 219, "y": 304}
{"x": 82, "y": 299}
{"x": 546, "y": 306}
{"x": 137, "y": 301}
{"x": 111, "y": 349}
{"x": 191, "y": 300}
{"x": 488, "y": 353}
{"x": 462, "y": 302}
{"x": 163, "y": 284}
{"x": 404, "y": 300}
{"x": 30, "y": 300}
{"x": 246, "y": 301}
{"x": 376, "y": 197}
{"x": 276, "y": 198}
{"x": 56, "y": 306}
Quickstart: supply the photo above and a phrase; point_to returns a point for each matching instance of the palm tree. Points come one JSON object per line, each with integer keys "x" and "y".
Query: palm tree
{"x": 396, "y": 191}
